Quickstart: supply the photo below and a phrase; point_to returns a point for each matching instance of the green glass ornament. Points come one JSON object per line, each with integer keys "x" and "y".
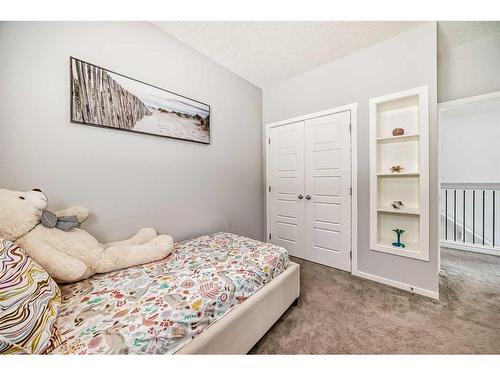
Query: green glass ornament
{"x": 398, "y": 242}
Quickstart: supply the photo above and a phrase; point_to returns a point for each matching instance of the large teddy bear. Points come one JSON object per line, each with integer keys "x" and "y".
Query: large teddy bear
{"x": 68, "y": 253}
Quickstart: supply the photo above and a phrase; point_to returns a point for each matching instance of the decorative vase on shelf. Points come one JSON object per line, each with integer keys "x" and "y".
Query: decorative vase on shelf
{"x": 398, "y": 242}
{"x": 398, "y": 131}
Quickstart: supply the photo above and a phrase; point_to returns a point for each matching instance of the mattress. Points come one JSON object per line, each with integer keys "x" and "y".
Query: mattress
{"x": 159, "y": 307}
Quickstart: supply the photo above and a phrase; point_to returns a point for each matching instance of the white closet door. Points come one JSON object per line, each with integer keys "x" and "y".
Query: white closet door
{"x": 327, "y": 188}
{"x": 287, "y": 185}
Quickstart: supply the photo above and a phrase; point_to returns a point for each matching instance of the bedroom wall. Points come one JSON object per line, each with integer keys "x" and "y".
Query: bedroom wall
{"x": 469, "y": 69}
{"x": 469, "y": 149}
{"x": 402, "y": 62}
{"x": 129, "y": 180}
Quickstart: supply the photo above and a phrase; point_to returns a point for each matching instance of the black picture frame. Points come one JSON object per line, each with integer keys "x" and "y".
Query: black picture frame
{"x": 77, "y": 114}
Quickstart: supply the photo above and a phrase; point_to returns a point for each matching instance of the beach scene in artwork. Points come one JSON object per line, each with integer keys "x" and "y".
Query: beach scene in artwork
{"x": 100, "y": 97}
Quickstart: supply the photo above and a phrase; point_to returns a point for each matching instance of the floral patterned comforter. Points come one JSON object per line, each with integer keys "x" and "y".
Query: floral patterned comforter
{"x": 158, "y": 307}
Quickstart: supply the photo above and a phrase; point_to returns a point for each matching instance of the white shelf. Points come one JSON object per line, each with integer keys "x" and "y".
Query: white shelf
{"x": 399, "y": 211}
{"x": 407, "y": 110}
{"x": 398, "y": 138}
{"x": 402, "y": 174}
{"x": 411, "y": 248}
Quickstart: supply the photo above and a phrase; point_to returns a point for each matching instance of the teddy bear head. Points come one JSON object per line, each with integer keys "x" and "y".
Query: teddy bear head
{"x": 20, "y": 212}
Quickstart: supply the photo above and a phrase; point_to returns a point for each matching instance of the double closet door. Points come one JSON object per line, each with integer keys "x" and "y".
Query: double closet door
{"x": 308, "y": 176}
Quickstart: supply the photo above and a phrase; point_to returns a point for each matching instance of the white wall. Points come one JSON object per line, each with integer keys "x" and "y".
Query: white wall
{"x": 128, "y": 180}
{"x": 403, "y": 62}
{"x": 469, "y": 69}
{"x": 469, "y": 150}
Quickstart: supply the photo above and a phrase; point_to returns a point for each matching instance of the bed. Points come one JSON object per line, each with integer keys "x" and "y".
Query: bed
{"x": 216, "y": 294}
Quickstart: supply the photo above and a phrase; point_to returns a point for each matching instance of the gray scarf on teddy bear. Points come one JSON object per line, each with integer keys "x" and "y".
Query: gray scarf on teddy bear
{"x": 65, "y": 223}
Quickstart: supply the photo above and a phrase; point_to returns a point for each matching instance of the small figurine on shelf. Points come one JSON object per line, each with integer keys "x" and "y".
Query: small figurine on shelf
{"x": 397, "y": 204}
{"x": 398, "y": 131}
{"x": 398, "y": 242}
{"x": 396, "y": 169}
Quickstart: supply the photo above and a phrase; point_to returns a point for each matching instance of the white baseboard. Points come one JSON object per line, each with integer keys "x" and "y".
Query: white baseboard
{"x": 396, "y": 284}
{"x": 469, "y": 247}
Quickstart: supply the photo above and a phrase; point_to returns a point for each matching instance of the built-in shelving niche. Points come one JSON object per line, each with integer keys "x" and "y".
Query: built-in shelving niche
{"x": 407, "y": 110}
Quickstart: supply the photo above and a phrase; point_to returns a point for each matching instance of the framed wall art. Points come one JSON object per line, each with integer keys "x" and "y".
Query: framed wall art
{"x": 100, "y": 97}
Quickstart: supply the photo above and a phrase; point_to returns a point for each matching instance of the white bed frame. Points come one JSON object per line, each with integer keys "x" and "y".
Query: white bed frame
{"x": 242, "y": 327}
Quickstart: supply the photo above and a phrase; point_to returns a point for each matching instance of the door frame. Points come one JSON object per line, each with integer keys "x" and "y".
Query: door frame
{"x": 353, "y": 170}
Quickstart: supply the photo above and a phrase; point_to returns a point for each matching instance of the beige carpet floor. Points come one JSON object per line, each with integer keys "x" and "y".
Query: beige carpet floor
{"x": 341, "y": 313}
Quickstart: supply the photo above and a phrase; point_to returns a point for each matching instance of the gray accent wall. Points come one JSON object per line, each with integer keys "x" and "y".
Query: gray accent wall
{"x": 402, "y": 62}
{"x": 469, "y": 69}
{"x": 129, "y": 180}
{"x": 469, "y": 151}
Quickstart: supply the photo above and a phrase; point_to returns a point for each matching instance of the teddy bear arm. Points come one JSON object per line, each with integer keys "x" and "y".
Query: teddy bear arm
{"x": 59, "y": 265}
{"x": 80, "y": 212}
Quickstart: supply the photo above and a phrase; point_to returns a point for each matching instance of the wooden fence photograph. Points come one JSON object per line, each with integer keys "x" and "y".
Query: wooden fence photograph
{"x": 100, "y": 97}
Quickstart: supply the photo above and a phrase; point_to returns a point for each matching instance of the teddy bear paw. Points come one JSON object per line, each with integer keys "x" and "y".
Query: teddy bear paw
{"x": 163, "y": 241}
{"x": 146, "y": 234}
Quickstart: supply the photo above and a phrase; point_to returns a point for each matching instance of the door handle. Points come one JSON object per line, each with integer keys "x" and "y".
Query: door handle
{"x": 308, "y": 197}
{"x": 300, "y": 196}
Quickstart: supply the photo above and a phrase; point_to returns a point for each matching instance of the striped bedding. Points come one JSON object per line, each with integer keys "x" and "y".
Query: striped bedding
{"x": 29, "y": 304}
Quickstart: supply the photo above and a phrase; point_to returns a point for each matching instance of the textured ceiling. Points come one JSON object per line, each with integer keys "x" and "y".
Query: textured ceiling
{"x": 268, "y": 52}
